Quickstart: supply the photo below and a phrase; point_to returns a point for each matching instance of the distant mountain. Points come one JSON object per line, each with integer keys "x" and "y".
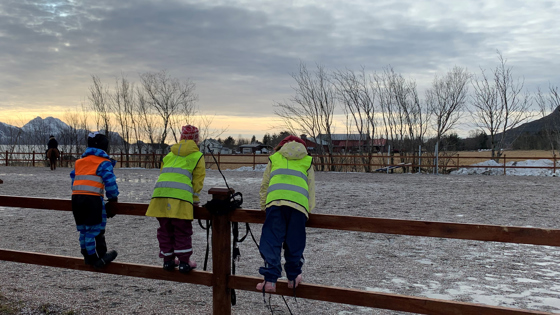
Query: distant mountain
{"x": 8, "y": 132}
{"x": 49, "y": 125}
{"x": 550, "y": 122}
{"x": 38, "y": 130}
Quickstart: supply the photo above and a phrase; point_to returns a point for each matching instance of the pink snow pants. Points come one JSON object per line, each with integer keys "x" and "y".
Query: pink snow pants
{"x": 174, "y": 236}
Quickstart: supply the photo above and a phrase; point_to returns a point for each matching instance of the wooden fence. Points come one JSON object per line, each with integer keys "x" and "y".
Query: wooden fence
{"x": 339, "y": 162}
{"x": 222, "y": 281}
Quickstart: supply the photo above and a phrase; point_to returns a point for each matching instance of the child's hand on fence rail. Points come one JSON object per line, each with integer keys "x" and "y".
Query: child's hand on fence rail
{"x": 111, "y": 207}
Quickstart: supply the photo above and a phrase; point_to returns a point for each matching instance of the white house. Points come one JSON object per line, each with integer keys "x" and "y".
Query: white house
{"x": 213, "y": 145}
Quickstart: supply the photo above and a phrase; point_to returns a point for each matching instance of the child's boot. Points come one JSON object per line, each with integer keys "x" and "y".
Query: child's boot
{"x": 268, "y": 286}
{"x": 170, "y": 265}
{"x": 294, "y": 283}
{"x": 88, "y": 259}
{"x": 106, "y": 259}
{"x": 186, "y": 267}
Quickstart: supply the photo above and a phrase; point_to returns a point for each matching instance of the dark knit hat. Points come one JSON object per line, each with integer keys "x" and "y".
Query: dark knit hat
{"x": 98, "y": 140}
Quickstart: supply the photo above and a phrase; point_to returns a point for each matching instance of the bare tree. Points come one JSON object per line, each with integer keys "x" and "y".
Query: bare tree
{"x": 146, "y": 119}
{"x": 204, "y": 124}
{"x": 550, "y": 104}
{"x": 311, "y": 109}
{"x": 12, "y": 137}
{"x": 447, "y": 100}
{"x": 357, "y": 95}
{"x": 121, "y": 105}
{"x": 499, "y": 105}
{"x": 73, "y": 137}
{"x": 404, "y": 116}
{"x": 99, "y": 104}
{"x": 173, "y": 100}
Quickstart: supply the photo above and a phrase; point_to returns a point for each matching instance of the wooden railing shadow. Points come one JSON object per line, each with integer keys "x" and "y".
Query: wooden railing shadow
{"x": 222, "y": 281}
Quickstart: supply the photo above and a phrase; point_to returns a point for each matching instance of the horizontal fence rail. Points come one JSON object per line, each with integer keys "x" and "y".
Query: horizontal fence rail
{"x": 309, "y": 291}
{"x": 337, "y": 162}
{"x": 476, "y": 232}
{"x": 222, "y": 281}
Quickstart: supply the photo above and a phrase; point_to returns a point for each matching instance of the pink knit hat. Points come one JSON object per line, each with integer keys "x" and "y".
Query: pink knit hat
{"x": 189, "y": 132}
{"x": 289, "y": 139}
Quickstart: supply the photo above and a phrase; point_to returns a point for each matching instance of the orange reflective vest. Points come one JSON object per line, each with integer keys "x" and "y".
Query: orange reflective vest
{"x": 86, "y": 182}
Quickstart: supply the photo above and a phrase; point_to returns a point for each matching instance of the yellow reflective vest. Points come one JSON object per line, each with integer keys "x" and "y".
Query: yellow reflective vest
{"x": 288, "y": 180}
{"x": 175, "y": 180}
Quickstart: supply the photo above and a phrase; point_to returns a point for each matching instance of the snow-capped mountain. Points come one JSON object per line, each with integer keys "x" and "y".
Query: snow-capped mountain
{"x": 8, "y": 131}
{"x": 38, "y": 130}
{"x": 48, "y": 125}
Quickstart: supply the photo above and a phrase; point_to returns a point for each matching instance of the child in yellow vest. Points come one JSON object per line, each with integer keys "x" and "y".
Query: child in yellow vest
{"x": 176, "y": 191}
{"x": 288, "y": 195}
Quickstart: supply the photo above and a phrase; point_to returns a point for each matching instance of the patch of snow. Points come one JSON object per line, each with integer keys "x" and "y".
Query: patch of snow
{"x": 258, "y": 168}
{"x": 492, "y": 167}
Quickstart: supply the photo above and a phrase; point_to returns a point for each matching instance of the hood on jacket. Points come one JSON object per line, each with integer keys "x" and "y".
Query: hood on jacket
{"x": 293, "y": 151}
{"x": 96, "y": 152}
{"x": 184, "y": 148}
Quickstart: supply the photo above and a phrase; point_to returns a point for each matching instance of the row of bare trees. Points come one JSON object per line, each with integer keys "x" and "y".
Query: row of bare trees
{"x": 147, "y": 112}
{"x": 387, "y": 105}
{"x": 137, "y": 117}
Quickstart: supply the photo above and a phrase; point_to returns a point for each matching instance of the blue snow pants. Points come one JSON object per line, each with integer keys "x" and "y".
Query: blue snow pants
{"x": 283, "y": 227}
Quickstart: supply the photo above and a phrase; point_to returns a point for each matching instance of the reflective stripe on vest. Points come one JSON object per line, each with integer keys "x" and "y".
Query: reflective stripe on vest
{"x": 86, "y": 180}
{"x": 288, "y": 180}
{"x": 94, "y": 178}
{"x": 174, "y": 185}
{"x": 287, "y": 171}
{"x": 97, "y": 191}
{"x": 178, "y": 171}
{"x": 175, "y": 179}
{"x": 295, "y": 188}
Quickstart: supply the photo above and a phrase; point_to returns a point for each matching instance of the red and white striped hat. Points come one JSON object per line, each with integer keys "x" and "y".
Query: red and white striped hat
{"x": 189, "y": 132}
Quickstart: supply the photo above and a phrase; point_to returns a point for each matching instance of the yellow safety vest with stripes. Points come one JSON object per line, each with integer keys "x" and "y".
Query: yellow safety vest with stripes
{"x": 288, "y": 180}
{"x": 175, "y": 180}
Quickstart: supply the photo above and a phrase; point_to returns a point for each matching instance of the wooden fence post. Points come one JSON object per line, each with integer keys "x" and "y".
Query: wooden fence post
{"x": 254, "y": 160}
{"x": 33, "y": 163}
{"x": 6, "y": 157}
{"x": 221, "y": 256}
{"x": 554, "y": 164}
{"x": 504, "y": 164}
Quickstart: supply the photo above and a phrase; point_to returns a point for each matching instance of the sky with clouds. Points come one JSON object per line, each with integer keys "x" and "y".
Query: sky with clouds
{"x": 241, "y": 54}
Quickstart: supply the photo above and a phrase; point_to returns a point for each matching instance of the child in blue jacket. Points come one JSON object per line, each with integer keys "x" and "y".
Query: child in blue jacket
{"x": 93, "y": 177}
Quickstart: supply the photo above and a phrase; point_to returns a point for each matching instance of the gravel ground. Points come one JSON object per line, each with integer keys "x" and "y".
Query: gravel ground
{"x": 511, "y": 275}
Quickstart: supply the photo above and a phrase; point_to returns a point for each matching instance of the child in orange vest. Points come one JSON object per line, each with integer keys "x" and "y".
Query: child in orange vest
{"x": 92, "y": 177}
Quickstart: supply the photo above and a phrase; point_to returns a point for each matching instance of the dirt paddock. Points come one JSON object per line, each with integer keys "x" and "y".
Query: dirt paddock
{"x": 511, "y": 275}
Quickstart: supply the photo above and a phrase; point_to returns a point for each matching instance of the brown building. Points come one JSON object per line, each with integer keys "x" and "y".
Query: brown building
{"x": 344, "y": 143}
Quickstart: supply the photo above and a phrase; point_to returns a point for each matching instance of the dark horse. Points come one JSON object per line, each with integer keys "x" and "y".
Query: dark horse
{"x": 53, "y": 154}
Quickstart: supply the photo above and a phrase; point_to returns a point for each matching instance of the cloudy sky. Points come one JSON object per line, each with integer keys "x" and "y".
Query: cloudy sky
{"x": 240, "y": 54}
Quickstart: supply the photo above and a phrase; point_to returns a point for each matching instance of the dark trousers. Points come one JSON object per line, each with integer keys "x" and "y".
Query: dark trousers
{"x": 175, "y": 239}
{"x": 284, "y": 227}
